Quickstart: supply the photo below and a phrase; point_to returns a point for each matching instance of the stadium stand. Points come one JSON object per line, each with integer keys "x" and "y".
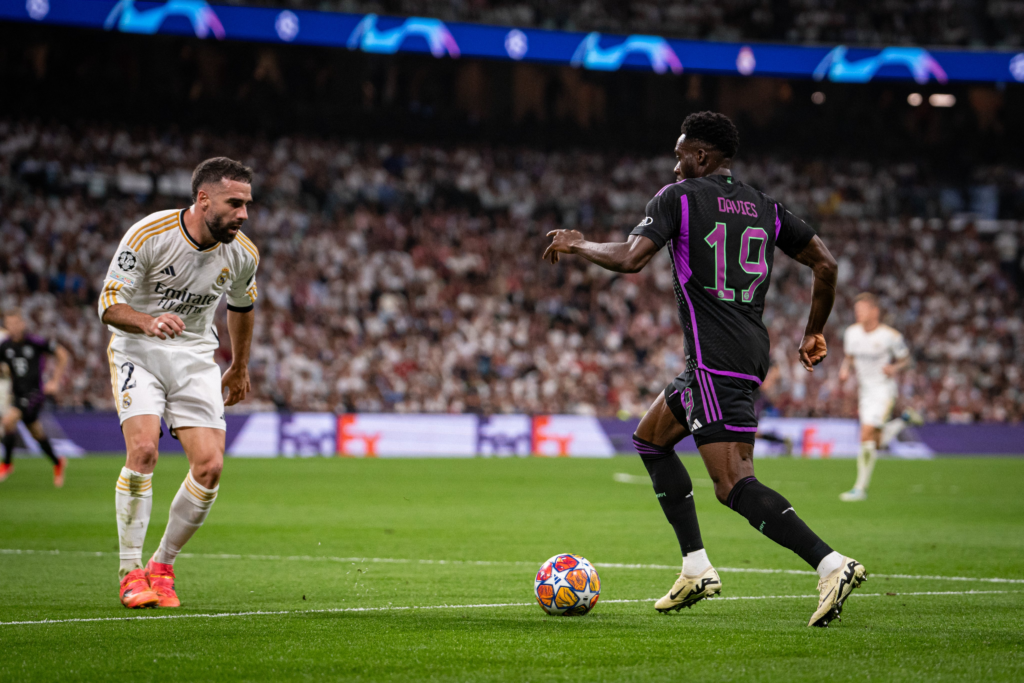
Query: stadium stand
{"x": 876, "y": 22}
{"x": 403, "y": 277}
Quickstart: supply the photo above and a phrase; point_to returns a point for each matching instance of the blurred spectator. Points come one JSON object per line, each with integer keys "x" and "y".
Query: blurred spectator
{"x": 408, "y": 277}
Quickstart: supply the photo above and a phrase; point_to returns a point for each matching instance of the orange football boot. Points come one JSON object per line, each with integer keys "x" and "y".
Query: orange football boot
{"x": 161, "y": 578}
{"x": 135, "y": 590}
{"x": 5, "y": 471}
{"x": 58, "y": 472}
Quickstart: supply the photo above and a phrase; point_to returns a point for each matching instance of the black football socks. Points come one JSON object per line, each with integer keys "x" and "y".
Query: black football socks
{"x": 48, "y": 449}
{"x": 8, "y": 448}
{"x": 674, "y": 489}
{"x": 772, "y": 515}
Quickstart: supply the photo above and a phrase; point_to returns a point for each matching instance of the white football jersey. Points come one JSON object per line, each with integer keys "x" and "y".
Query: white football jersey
{"x": 872, "y": 351}
{"x": 159, "y": 268}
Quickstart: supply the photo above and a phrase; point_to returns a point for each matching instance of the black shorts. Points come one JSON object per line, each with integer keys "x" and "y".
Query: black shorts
{"x": 716, "y": 408}
{"x": 30, "y": 406}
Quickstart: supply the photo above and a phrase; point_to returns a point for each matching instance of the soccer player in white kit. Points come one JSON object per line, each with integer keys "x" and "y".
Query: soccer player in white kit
{"x": 876, "y": 353}
{"x": 159, "y": 299}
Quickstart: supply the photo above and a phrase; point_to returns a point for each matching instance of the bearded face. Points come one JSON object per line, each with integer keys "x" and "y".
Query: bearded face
{"x": 223, "y": 227}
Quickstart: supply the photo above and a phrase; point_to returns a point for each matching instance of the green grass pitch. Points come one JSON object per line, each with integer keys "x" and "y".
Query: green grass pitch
{"x": 275, "y": 543}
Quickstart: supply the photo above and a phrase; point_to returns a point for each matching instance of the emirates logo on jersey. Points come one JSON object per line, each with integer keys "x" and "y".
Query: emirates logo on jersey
{"x": 182, "y": 301}
{"x": 126, "y": 260}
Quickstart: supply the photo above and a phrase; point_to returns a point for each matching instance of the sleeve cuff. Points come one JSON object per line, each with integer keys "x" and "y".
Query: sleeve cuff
{"x": 658, "y": 239}
{"x": 240, "y": 309}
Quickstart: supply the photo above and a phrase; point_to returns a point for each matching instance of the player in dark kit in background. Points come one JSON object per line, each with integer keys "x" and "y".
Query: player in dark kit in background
{"x": 722, "y": 236}
{"x": 25, "y": 356}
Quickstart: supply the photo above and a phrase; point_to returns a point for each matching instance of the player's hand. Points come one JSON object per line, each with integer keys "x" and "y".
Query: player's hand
{"x": 889, "y": 370}
{"x": 163, "y": 326}
{"x": 236, "y": 380}
{"x": 812, "y": 351}
{"x": 844, "y": 374}
{"x": 51, "y": 388}
{"x": 562, "y": 242}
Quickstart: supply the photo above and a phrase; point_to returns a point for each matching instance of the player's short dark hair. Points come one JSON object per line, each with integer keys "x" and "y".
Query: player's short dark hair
{"x": 216, "y": 169}
{"x": 869, "y": 297}
{"x": 14, "y": 312}
{"x": 713, "y": 129}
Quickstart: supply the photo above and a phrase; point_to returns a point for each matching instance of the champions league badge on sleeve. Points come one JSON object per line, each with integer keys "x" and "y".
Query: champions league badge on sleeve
{"x": 126, "y": 261}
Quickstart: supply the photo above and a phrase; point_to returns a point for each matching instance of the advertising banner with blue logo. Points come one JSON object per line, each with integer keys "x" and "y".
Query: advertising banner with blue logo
{"x": 451, "y": 40}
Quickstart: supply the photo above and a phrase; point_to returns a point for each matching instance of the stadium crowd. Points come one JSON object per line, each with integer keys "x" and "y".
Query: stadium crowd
{"x": 875, "y": 22}
{"x": 408, "y": 277}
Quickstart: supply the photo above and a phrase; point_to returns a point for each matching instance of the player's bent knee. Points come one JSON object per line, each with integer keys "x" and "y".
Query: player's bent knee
{"x": 722, "y": 492}
{"x": 142, "y": 455}
{"x": 207, "y": 472}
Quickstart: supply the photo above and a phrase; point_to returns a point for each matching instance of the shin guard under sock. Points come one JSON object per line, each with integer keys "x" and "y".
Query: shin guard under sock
{"x": 772, "y": 515}
{"x": 674, "y": 489}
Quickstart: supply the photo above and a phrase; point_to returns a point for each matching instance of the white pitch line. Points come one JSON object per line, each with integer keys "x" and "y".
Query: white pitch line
{"x": 406, "y": 608}
{"x": 497, "y": 563}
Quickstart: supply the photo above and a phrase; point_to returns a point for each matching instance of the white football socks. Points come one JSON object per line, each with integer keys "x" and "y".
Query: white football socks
{"x": 696, "y": 563}
{"x": 829, "y": 564}
{"x": 865, "y": 465}
{"x": 189, "y": 509}
{"x": 133, "y": 502}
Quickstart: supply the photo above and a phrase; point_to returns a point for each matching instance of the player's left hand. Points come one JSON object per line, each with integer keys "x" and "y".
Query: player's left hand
{"x": 889, "y": 370}
{"x": 236, "y": 380}
{"x": 562, "y": 242}
{"x": 812, "y": 351}
{"x": 51, "y": 388}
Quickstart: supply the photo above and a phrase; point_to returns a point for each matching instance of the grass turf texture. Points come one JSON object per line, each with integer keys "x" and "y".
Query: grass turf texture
{"x": 946, "y": 517}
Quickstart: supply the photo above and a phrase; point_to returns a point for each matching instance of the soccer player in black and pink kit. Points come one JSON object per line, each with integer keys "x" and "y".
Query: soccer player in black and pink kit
{"x": 722, "y": 236}
{"x": 25, "y": 356}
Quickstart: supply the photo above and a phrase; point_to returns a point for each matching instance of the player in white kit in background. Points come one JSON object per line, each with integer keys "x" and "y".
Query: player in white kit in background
{"x": 876, "y": 353}
{"x": 159, "y": 300}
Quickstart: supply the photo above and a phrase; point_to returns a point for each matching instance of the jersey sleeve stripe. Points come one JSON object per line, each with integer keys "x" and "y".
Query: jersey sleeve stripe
{"x": 133, "y": 241}
{"x": 154, "y": 234}
{"x": 244, "y": 240}
{"x": 109, "y": 297}
{"x": 138, "y": 231}
{"x": 249, "y": 247}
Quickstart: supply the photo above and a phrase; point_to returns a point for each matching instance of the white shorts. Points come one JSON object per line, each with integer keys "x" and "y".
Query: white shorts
{"x": 175, "y": 383}
{"x": 875, "y": 404}
{"x": 5, "y": 394}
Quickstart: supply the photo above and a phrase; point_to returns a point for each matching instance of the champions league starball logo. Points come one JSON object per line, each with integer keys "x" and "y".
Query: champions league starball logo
{"x": 126, "y": 261}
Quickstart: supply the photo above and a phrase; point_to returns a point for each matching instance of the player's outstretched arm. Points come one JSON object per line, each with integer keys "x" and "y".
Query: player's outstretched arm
{"x": 124, "y": 317}
{"x": 236, "y": 377}
{"x": 823, "y": 295}
{"x": 53, "y": 386}
{"x": 622, "y": 257}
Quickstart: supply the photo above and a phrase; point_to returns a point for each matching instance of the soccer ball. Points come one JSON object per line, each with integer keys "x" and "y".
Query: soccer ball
{"x": 567, "y": 585}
